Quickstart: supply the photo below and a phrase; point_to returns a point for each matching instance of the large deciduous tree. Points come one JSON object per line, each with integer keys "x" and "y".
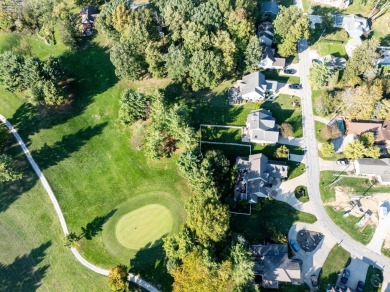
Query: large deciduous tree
{"x": 320, "y": 75}
{"x": 253, "y": 54}
{"x": 354, "y": 150}
{"x": 117, "y": 278}
{"x": 290, "y": 25}
{"x": 205, "y": 69}
{"x": 7, "y": 170}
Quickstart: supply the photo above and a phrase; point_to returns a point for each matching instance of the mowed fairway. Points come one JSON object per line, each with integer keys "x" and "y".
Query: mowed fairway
{"x": 144, "y": 226}
{"x": 88, "y": 159}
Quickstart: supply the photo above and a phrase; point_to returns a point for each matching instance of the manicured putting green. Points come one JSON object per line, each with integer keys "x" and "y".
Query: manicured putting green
{"x": 143, "y": 226}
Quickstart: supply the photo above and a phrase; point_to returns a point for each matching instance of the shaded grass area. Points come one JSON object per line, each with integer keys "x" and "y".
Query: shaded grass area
{"x": 337, "y": 259}
{"x": 270, "y": 221}
{"x": 283, "y": 111}
{"x": 332, "y": 43}
{"x": 32, "y": 251}
{"x": 86, "y": 156}
{"x": 361, "y": 186}
{"x": 372, "y": 274}
{"x": 274, "y": 75}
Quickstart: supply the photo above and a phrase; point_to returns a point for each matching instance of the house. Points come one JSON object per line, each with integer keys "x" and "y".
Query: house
{"x": 270, "y": 8}
{"x": 334, "y": 62}
{"x": 274, "y": 266}
{"x": 265, "y": 32}
{"x": 269, "y": 61}
{"x": 384, "y": 59}
{"x": 351, "y": 45}
{"x": 254, "y": 87}
{"x": 257, "y": 176}
{"x": 378, "y": 168}
{"x": 261, "y": 128}
{"x": 381, "y": 130}
{"x": 354, "y": 25}
{"x": 88, "y": 18}
{"x": 335, "y": 3}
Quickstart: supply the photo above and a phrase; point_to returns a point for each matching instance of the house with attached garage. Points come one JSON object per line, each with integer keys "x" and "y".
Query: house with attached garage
{"x": 260, "y": 128}
{"x": 334, "y": 62}
{"x": 257, "y": 175}
{"x": 380, "y": 129}
{"x": 354, "y": 25}
{"x": 377, "y": 168}
{"x": 254, "y": 87}
{"x": 269, "y": 61}
{"x": 273, "y": 265}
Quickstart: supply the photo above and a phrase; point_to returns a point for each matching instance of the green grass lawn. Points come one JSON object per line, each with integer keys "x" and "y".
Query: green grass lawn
{"x": 283, "y": 111}
{"x": 337, "y": 259}
{"x": 274, "y": 75}
{"x": 318, "y": 127}
{"x": 270, "y": 220}
{"x": 32, "y": 251}
{"x": 86, "y": 156}
{"x": 372, "y": 273}
{"x": 361, "y": 186}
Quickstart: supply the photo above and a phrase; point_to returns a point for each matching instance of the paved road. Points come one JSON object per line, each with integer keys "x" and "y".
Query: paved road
{"x": 60, "y": 215}
{"x": 313, "y": 176}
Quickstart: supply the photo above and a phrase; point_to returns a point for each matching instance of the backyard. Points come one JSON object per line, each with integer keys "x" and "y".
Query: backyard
{"x": 270, "y": 221}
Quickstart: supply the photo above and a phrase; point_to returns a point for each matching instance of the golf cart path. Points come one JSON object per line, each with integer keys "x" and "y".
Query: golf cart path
{"x": 60, "y": 215}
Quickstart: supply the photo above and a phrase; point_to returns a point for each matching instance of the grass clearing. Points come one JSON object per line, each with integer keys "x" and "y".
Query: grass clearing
{"x": 337, "y": 259}
{"x": 270, "y": 220}
{"x": 274, "y": 75}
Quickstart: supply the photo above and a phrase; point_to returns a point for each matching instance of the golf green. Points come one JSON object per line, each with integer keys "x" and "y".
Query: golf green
{"x": 143, "y": 226}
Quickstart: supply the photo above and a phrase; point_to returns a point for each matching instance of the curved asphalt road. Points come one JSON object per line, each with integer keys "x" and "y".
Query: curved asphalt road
{"x": 60, "y": 216}
{"x": 356, "y": 249}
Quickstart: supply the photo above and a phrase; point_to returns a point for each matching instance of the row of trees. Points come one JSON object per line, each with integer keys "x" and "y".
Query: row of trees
{"x": 198, "y": 42}
{"x": 42, "y": 81}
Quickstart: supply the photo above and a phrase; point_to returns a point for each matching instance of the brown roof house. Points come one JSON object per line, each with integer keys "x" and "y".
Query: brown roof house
{"x": 261, "y": 128}
{"x": 274, "y": 266}
{"x": 378, "y": 168}
{"x": 89, "y": 15}
{"x": 381, "y": 130}
{"x": 257, "y": 176}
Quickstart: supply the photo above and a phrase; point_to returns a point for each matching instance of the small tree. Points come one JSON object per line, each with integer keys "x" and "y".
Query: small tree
{"x": 327, "y": 149}
{"x": 282, "y": 152}
{"x": 72, "y": 240}
{"x": 320, "y": 75}
{"x": 117, "y": 278}
{"x": 133, "y": 106}
{"x": 367, "y": 139}
{"x": 354, "y": 150}
{"x": 7, "y": 171}
{"x": 373, "y": 152}
{"x": 286, "y": 129}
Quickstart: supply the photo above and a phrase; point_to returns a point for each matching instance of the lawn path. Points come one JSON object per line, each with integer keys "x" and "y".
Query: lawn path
{"x": 133, "y": 278}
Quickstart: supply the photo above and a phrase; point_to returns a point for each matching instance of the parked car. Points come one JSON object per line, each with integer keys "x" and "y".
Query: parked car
{"x": 294, "y": 245}
{"x": 345, "y": 276}
{"x": 314, "y": 281}
{"x": 295, "y": 86}
{"x": 342, "y": 162}
{"x": 289, "y": 71}
{"x": 360, "y": 286}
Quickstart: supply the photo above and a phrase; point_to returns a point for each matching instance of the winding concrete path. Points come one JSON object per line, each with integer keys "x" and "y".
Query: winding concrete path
{"x": 133, "y": 278}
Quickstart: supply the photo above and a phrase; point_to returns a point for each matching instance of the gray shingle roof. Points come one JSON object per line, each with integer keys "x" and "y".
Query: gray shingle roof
{"x": 380, "y": 167}
{"x": 270, "y": 7}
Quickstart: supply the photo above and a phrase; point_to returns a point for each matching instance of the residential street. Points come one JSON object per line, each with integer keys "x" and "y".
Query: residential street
{"x": 329, "y": 228}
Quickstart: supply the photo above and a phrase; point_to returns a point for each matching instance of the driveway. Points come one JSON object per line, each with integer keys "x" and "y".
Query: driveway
{"x": 294, "y": 66}
{"x": 358, "y": 270}
{"x": 312, "y": 262}
{"x": 283, "y": 88}
{"x": 380, "y": 235}
{"x": 292, "y": 141}
{"x": 332, "y": 165}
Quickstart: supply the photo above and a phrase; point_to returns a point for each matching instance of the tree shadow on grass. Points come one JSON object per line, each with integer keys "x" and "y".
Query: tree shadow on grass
{"x": 23, "y": 274}
{"x": 48, "y": 156}
{"x": 45, "y": 157}
{"x": 150, "y": 263}
{"x": 96, "y": 225}
{"x": 280, "y": 114}
{"x": 93, "y": 74}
